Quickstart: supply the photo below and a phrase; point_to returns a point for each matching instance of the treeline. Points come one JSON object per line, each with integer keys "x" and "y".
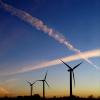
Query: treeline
{"x": 37, "y": 97}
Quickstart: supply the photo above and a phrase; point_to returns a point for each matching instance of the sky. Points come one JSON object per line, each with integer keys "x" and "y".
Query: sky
{"x": 23, "y": 48}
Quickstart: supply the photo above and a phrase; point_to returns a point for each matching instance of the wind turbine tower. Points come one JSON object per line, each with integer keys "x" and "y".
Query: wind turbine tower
{"x": 44, "y": 82}
{"x": 31, "y": 87}
{"x": 71, "y": 70}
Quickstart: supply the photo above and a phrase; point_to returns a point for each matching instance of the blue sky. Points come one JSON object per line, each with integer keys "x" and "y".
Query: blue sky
{"x": 22, "y": 45}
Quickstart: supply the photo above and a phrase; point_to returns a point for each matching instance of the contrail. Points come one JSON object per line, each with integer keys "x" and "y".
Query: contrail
{"x": 88, "y": 54}
{"x": 3, "y": 91}
{"x": 39, "y": 25}
{"x": 45, "y": 64}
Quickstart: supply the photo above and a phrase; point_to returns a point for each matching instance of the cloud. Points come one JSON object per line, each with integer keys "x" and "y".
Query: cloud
{"x": 87, "y": 54}
{"x": 27, "y": 68}
{"x": 40, "y": 25}
{"x": 3, "y": 91}
{"x": 11, "y": 80}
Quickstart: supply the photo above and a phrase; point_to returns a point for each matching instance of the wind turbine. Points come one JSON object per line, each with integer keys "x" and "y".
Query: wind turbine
{"x": 71, "y": 70}
{"x": 44, "y": 81}
{"x": 31, "y": 87}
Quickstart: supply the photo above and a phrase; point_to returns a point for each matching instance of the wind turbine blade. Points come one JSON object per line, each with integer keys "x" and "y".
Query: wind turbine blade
{"x": 28, "y": 82}
{"x": 47, "y": 84}
{"x": 45, "y": 75}
{"x": 74, "y": 78}
{"x": 34, "y": 82}
{"x": 77, "y": 65}
{"x": 66, "y": 64}
{"x": 39, "y": 80}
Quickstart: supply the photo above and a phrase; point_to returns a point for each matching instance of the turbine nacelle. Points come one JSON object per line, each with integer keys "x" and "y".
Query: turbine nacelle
{"x": 70, "y": 70}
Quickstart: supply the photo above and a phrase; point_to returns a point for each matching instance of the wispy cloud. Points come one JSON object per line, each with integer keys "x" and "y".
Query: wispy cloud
{"x": 87, "y": 54}
{"x": 40, "y": 25}
{"x": 11, "y": 81}
{"x": 4, "y": 91}
{"x": 27, "y": 68}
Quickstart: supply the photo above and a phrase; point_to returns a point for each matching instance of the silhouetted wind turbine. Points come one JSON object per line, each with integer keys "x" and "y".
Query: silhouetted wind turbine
{"x": 71, "y": 70}
{"x": 31, "y": 87}
{"x": 44, "y": 81}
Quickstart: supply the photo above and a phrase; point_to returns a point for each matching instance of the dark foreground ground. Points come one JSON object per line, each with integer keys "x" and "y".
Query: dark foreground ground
{"x": 37, "y": 97}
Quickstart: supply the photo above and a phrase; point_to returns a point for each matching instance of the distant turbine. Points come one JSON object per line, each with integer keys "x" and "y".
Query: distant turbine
{"x": 71, "y": 70}
{"x": 44, "y": 81}
{"x": 31, "y": 87}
